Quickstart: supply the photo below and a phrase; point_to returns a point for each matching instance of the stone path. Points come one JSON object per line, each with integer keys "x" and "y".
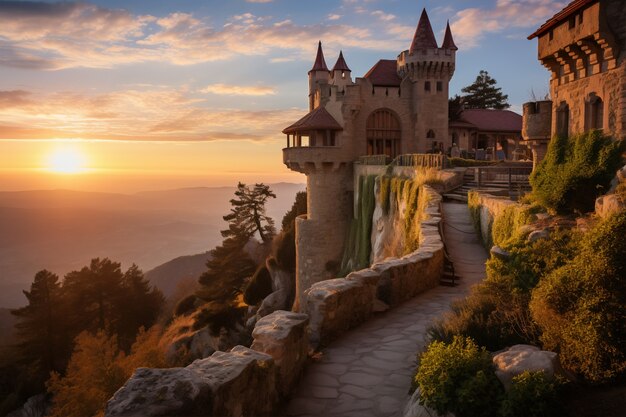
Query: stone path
{"x": 367, "y": 372}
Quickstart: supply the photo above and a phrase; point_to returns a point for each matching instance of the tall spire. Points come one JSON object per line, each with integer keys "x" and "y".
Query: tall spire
{"x": 448, "y": 42}
{"x": 424, "y": 36}
{"x": 341, "y": 65}
{"x": 320, "y": 62}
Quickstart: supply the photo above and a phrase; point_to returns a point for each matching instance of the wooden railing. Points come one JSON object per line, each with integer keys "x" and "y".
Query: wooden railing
{"x": 436, "y": 161}
{"x": 510, "y": 177}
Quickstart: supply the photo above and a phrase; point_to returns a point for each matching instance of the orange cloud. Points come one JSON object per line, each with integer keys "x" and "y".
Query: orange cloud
{"x": 238, "y": 90}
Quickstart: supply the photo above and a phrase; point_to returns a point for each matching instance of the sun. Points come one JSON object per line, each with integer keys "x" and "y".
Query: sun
{"x": 66, "y": 161}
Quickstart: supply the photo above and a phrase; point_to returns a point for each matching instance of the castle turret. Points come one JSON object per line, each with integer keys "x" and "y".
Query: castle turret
{"x": 430, "y": 69}
{"x": 537, "y": 127}
{"x": 318, "y": 76}
{"x": 341, "y": 74}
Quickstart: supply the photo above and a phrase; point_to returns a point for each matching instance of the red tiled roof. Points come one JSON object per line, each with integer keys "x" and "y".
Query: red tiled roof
{"x": 320, "y": 62}
{"x": 341, "y": 65}
{"x": 424, "y": 36}
{"x": 490, "y": 120}
{"x": 462, "y": 124}
{"x": 448, "y": 42}
{"x": 318, "y": 119}
{"x": 384, "y": 73}
{"x": 561, "y": 16}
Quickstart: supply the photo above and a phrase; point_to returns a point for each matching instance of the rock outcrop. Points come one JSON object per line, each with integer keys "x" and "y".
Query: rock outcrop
{"x": 519, "y": 358}
{"x": 236, "y": 383}
{"x": 610, "y": 204}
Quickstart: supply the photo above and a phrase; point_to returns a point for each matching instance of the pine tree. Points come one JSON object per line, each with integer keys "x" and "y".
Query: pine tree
{"x": 483, "y": 94}
{"x": 40, "y": 325}
{"x": 248, "y": 213}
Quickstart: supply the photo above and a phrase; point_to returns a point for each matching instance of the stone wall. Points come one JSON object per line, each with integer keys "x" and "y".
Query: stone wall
{"x": 241, "y": 382}
{"x": 337, "y": 305}
{"x": 484, "y": 209}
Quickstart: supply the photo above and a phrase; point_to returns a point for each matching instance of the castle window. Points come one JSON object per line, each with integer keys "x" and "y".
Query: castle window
{"x": 580, "y": 18}
{"x": 430, "y": 134}
{"x": 439, "y": 86}
{"x": 562, "y": 120}
{"x": 383, "y": 133}
{"x": 572, "y": 22}
{"x": 427, "y": 86}
{"x": 551, "y": 35}
{"x": 594, "y": 112}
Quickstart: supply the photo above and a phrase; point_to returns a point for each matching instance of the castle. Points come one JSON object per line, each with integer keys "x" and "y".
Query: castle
{"x": 398, "y": 107}
{"x": 584, "y": 48}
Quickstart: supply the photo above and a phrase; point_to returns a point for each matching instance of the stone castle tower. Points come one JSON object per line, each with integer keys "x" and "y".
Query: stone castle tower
{"x": 584, "y": 48}
{"x": 398, "y": 107}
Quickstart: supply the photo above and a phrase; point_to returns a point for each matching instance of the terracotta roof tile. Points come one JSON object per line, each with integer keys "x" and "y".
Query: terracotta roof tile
{"x": 448, "y": 41}
{"x": 384, "y": 74}
{"x": 490, "y": 120}
{"x": 341, "y": 65}
{"x": 318, "y": 119}
{"x": 561, "y": 16}
{"x": 424, "y": 36}
{"x": 320, "y": 62}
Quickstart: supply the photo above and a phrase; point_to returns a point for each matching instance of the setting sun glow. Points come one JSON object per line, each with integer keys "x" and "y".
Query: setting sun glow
{"x": 66, "y": 161}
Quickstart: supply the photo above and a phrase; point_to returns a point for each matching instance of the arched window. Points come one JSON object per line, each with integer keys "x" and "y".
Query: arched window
{"x": 562, "y": 120}
{"x": 430, "y": 134}
{"x": 383, "y": 133}
{"x": 594, "y": 112}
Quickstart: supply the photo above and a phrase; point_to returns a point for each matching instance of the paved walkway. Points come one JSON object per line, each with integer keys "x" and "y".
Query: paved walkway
{"x": 367, "y": 372}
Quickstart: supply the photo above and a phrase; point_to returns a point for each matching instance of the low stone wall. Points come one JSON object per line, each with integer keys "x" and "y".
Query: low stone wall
{"x": 337, "y": 305}
{"x": 242, "y": 382}
{"x": 484, "y": 209}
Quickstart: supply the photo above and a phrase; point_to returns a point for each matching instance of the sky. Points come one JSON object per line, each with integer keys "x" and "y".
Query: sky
{"x": 154, "y": 94}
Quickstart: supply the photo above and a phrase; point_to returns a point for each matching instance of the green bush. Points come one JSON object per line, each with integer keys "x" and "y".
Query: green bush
{"x": 580, "y": 306}
{"x": 575, "y": 171}
{"x": 459, "y": 378}
{"x": 532, "y": 394}
{"x": 259, "y": 287}
{"x": 506, "y": 226}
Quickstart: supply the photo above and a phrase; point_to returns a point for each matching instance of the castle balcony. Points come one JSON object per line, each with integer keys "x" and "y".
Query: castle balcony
{"x": 307, "y": 159}
{"x": 537, "y": 121}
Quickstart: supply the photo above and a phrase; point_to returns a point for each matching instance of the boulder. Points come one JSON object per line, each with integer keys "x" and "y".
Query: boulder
{"x": 283, "y": 336}
{"x": 235, "y": 383}
{"x": 610, "y": 204}
{"x": 283, "y": 284}
{"x": 499, "y": 253}
{"x": 519, "y": 358}
{"x": 414, "y": 409}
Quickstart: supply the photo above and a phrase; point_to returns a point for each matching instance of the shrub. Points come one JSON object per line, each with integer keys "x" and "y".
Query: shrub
{"x": 580, "y": 306}
{"x": 459, "y": 378}
{"x": 532, "y": 394}
{"x": 506, "y": 226}
{"x": 259, "y": 287}
{"x": 186, "y": 306}
{"x": 575, "y": 171}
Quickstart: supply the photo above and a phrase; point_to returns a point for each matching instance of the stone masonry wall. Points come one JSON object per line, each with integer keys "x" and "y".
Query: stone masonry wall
{"x": 337, "y": 305}
{"x": 485, "y": 208}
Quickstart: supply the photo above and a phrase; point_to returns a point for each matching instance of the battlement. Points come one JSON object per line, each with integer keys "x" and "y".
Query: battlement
{"x": 537, "y": 120}
{"x": 436, "y": 63}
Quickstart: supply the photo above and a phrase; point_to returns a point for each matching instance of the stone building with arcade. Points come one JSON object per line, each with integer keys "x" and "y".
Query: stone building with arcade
{"x": 584, "y": 48}
{"x": 399, "y": 106}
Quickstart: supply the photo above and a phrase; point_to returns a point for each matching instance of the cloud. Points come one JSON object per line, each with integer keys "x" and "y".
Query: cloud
{"x": 470, "y": 26}
{"x": 238, "y": 90}
{"x": 156, "y": 114}
{"x": 259, "y": 1}
{"x": 383, "y": 16}
{"x": 334, "y": 16}
{"x": 48, "y": 36}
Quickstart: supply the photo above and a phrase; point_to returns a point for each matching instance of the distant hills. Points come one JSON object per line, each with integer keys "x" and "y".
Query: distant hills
{"x": 167, "y": 276}
{"x": 62, "y": 230}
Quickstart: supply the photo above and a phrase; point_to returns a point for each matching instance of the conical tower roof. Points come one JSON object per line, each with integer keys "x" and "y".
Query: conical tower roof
{"x": 320, "y": 62}
{"x": 424, "y": 36}
{"x": 448, "y": 42}
{"x": 341, "y": 65}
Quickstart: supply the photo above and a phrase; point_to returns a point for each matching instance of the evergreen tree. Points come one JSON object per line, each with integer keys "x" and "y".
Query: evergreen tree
{"x": 248, "y": 213}
{"x": 455, "y": 107}
{"x": 483, "y": 94}
{"x": 39, "y": 326}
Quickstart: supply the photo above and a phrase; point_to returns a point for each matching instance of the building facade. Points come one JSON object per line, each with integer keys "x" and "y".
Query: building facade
{"x": 584, "y": 48}
{"x": 399, "y": 106}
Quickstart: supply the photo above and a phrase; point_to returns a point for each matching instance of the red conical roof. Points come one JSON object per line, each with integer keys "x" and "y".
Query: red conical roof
{"x": 424, "y": 36}
{"x": 341, "y": 65}
{"x": 320, "y": 62}
{"x": 448, "y": 42}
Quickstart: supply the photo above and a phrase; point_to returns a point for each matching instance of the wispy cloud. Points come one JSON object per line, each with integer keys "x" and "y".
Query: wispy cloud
{"x": 239, "y": 90}
{"x": 471, "y": 25}
{"x": 159, "y": 115}
{"x": 47, "y": 36}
